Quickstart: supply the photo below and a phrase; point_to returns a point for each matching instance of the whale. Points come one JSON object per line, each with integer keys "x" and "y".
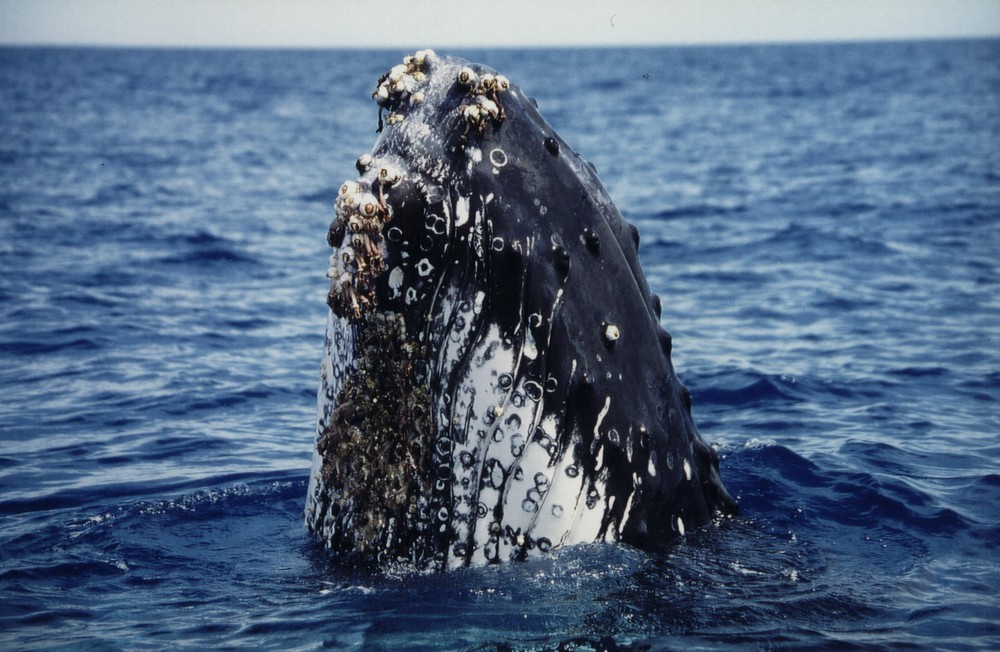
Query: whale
{"x": 495, "y": 383}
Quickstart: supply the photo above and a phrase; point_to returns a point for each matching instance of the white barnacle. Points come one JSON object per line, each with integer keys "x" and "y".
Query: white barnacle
{"x": 355, "y": 224}
{"x": 502, "y": 83}
{"x": 471, "y": 113}
{"x": 368, "y": 205}
{"x": 612, "y": 333}
{"x": 417, "y": 98}
{"x": 353, "y": 199}
{"x": 488, "y": 82}
{"x": 349, "y": 188}
{"x": 488, "y": 107}
{"x": 344, "y": 280}
{"x": 467, "y": 77}
{"x": 395, "y": 118}
{"x": 397, "y": 73}
{"x": 389, "y": 176}
{"x": 364, "y": 162}
{"x": 420, "y": 57}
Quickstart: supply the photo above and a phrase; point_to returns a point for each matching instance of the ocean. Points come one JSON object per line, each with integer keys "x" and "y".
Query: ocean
{"x": 821, "y": 221}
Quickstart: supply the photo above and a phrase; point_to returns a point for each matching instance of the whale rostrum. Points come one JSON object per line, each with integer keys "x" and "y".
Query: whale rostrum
{"x": 496, "y": 382}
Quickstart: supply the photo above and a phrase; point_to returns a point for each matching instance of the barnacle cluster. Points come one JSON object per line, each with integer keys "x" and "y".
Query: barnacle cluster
{"x": 399, "y": 84}
{"x": 356, "y": 236}
{"x": 483, "y": 104}
{"x": 376, "y": 446}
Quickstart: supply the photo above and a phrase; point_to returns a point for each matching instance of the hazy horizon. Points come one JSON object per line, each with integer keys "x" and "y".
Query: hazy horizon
{"x": 392, "y": 24}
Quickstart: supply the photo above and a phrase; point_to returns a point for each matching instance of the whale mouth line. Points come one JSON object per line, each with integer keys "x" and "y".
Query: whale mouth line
{"x": 495, "y": 381}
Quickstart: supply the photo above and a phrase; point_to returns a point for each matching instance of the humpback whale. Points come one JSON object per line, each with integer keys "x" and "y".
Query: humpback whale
{"x": 496, "y": 382}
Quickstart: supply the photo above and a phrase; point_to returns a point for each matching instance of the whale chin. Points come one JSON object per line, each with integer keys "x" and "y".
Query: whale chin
{"x": 496, "y": 382}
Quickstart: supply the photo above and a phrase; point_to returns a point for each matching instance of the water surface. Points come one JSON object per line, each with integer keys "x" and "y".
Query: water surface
{"x": 822, "y": 223}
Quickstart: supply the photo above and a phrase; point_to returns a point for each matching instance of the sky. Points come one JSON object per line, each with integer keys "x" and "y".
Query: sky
{"x": 484, "y": 23}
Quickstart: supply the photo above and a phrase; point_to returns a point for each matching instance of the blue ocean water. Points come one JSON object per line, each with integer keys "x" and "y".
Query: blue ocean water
{"x": 821, "y": 221}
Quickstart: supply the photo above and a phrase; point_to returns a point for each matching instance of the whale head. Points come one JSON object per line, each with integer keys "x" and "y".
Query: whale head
{"x": 496, "y": 382}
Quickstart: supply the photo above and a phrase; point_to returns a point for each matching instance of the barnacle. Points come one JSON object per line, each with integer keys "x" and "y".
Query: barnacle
{"x": 484, "y": 104}
{"x": 467, "y": 77}
{"x": 394, "y": 87}
{"x": 349, "y": 188}
{"x": 369, "y": 206}
{"x": 357, "y": 232}
{"x": 363, "y": 163}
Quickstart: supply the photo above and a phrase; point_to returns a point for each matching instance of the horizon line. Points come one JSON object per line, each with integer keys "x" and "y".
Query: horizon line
{"x": 523, "y": 46}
